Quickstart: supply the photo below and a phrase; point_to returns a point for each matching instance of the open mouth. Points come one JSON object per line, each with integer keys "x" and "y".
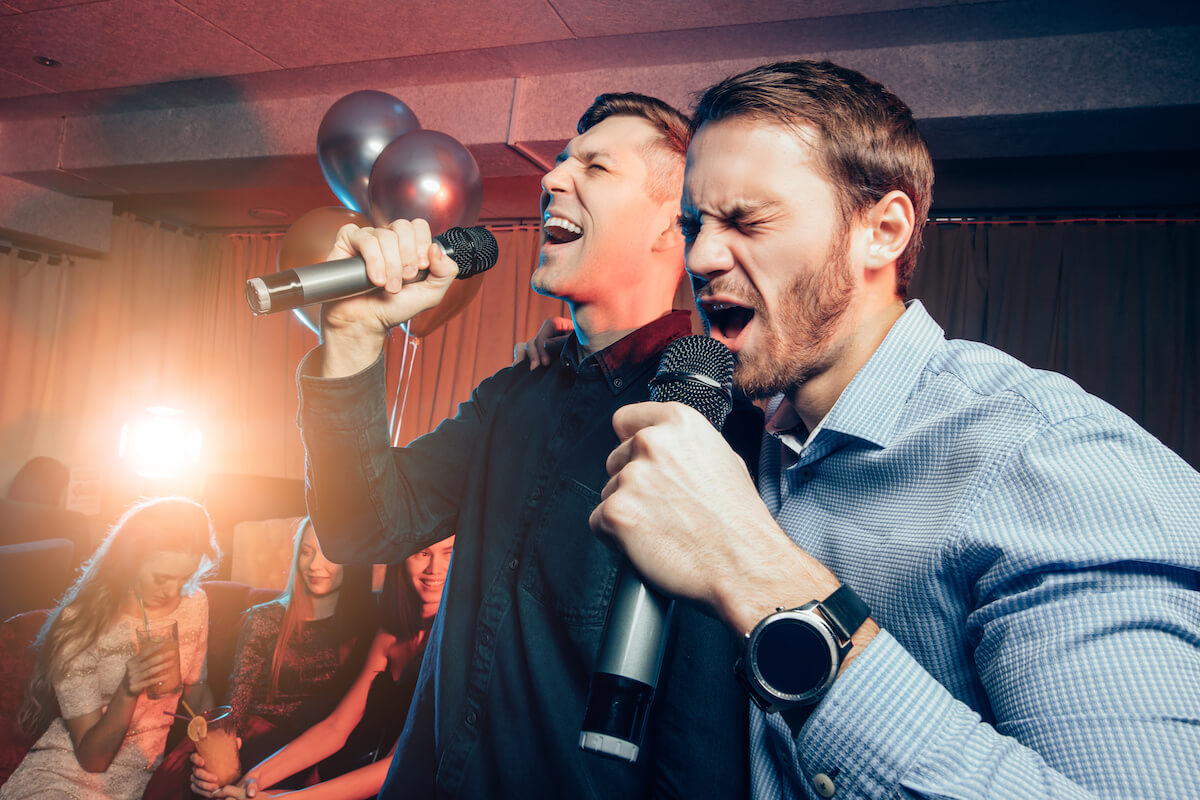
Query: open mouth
{"x": 559, "y": 230}
{"x": 726, "y": 319}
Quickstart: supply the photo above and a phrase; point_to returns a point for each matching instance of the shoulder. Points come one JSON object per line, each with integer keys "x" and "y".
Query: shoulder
{"x": 196, "y": 599}
{"x": 266, "y": 616}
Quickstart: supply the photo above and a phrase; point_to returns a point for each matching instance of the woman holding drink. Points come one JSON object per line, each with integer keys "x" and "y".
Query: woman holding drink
{"x": 370, "y": 716}
{"x": 295, "y": 656}
{"x": 124, "y": 646}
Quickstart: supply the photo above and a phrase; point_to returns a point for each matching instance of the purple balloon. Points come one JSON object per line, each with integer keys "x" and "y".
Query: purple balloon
{"x": 353, "y": 132}
{"x": 426, "y": 174}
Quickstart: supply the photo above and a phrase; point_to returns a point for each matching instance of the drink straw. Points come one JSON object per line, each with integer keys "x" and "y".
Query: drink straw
{"x": 187, "y": 708}
{"x": 177, "y": 716}
{"x": 145, "y": 619}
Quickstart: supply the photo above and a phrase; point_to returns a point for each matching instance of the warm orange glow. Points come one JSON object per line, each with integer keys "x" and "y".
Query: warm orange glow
{"x": 161, "y": 443}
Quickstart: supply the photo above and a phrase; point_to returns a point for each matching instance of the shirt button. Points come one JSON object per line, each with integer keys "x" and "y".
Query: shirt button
{"x": 471, "y": 718}
{"x": 807, "y": 473}
{"x": 485, "y": 637}
{"x": 617, "y": 382}
{"x": 824, "y": 784}
{"x": 514, "y": 564}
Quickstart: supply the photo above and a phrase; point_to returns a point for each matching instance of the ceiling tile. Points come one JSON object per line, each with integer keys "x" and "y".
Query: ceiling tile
{"x": 42, "y": 5}
{"x": 12, "y": 85}
{"x": 316, "y": 32}
{"x": 610, "y": 17}
{"x": 121, "y": 43}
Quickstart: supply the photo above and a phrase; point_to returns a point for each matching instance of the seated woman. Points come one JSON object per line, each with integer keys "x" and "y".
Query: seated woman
{"x": 372, "y": 712}
{"x": 102, "y": 731}
{"x": 295, "y": 656}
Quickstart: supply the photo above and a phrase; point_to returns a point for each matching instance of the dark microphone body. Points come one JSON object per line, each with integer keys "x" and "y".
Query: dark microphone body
{"x": 473, "y": 249}
{"x": 696, "y": 371}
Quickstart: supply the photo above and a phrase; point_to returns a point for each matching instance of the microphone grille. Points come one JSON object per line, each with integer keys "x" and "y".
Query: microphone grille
{"x": 474, "y": 249}
{"x": 696, "y": 371}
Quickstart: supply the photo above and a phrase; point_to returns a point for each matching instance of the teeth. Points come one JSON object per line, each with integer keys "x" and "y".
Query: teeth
{"x": 559, "y": 222}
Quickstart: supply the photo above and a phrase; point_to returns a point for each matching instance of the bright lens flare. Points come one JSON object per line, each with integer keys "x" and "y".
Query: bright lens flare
{"x": 161, "y": 443}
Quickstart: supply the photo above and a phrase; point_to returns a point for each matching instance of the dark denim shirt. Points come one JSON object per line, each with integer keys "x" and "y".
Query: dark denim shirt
{"x": 515, "y": 475}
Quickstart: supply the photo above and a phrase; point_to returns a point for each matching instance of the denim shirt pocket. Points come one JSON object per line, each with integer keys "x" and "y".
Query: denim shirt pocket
{"x": 569, "y": 569}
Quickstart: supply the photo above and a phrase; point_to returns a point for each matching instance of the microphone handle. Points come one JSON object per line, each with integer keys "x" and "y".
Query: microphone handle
{"x": 626, "y": 675}
{"x": 321, "y": 283}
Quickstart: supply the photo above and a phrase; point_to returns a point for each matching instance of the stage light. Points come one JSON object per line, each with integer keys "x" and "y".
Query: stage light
{"x": 161, "y": 443}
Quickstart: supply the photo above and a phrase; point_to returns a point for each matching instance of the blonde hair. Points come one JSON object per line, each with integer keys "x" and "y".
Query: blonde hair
{"x": 91, "y": 605}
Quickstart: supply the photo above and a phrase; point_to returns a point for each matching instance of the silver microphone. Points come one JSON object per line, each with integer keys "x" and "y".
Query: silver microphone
{"x": 696, "y": 371}
{"x": 473, "y": 249}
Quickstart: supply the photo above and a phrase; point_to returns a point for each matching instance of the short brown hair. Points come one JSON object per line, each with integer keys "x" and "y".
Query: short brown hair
{"x": 667, "y": 152}
{"x": 869, "y": 142}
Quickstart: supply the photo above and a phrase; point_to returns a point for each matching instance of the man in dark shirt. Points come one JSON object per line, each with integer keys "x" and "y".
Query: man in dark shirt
{"x": 515, "y": 474}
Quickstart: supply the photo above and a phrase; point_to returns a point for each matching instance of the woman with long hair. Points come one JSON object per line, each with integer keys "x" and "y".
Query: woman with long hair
{"x": 101, "y": 704}
{"x": 371, "y": 714}
{"x": 295, "y": 656}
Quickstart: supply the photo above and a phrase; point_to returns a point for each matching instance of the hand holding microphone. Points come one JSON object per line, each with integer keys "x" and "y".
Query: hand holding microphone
{"x": 374, "y": 280}
{"x": 698, "y": 372}
{"x": 363, "y": 259}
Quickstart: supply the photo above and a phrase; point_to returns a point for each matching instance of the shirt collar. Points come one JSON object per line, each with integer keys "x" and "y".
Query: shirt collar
{"x": 628, "y": 356}
{"x": 869, "y": 407}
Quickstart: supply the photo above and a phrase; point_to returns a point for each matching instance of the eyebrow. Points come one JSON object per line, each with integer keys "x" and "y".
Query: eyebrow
{"x": 736, "y": 211}
{"x": 584, "y": 156}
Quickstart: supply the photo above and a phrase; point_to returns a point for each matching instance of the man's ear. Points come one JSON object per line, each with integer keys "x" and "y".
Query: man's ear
{"x": 670, "y": 238}
{"x": 888, "y": 228}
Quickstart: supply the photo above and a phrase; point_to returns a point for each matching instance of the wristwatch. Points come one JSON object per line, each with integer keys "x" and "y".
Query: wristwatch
{"x": 793, "y": 655}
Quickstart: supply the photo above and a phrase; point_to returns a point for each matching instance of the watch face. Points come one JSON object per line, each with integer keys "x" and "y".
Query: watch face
{"x": 792, "y": 657}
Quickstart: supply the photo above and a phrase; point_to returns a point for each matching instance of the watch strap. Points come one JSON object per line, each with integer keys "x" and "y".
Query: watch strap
{"x": 845, "y": 611}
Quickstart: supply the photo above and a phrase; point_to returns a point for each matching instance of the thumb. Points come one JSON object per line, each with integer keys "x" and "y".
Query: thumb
{"x": 442, "y": 267}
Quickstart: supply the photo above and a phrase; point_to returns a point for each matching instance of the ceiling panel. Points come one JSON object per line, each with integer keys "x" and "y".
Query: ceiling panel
{"x": 15, "y": 86}
{"x": 120, "y": 43}
{"x": 299, "y": 33}
{"x": 42, "y": 5}
{"x": 609, "y": 17}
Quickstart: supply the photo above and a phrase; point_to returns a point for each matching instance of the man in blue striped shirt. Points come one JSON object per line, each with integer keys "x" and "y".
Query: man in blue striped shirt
{"x": 1029, "y": 556}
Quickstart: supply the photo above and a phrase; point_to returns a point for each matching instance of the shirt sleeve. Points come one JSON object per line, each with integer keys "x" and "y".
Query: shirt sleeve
{"x": 251, "y": 660}
{"x": 1082, "y": 565}
{"x": 370, "y": 502}
{"x": 78, "y": 688}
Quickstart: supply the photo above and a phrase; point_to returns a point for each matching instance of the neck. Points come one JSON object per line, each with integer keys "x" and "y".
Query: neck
{"x": 598, "y": 327}
{"x": 322, "y": 607}
{"x": 815, "y": 397}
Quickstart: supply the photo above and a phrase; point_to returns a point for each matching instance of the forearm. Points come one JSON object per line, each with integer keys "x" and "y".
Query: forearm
{"x": 96, "y": 749}
{"x": 357, "y": 785}
{"x": 347, "y": 351}
{"x": 890, "y": 729}
{"x": 308, "y": 748}
{"x": 370, "y": 502}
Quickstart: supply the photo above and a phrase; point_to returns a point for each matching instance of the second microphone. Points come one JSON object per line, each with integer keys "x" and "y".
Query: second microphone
{"x": 474, "y": 250}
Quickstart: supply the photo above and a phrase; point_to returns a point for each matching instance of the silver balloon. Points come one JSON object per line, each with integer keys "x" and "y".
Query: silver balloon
{"x": 353, "y": 132}
{"x": 426, "y": 174}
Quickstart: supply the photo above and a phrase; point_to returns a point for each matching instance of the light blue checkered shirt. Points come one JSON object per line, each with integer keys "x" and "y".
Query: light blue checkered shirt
{"x": 1032, "y": 557}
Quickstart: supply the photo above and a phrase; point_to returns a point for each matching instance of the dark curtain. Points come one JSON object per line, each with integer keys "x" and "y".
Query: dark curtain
{"x": 1113, "y": 305}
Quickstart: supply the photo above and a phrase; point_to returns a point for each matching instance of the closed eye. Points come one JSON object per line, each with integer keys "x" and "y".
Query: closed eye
{"x": 689, "y": 227}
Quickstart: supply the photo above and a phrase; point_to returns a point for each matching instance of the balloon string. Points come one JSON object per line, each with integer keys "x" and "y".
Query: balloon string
{"x": 408, "y": 358}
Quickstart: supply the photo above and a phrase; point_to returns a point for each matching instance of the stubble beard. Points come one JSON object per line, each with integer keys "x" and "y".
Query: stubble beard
{"x": 799, "y": 348}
